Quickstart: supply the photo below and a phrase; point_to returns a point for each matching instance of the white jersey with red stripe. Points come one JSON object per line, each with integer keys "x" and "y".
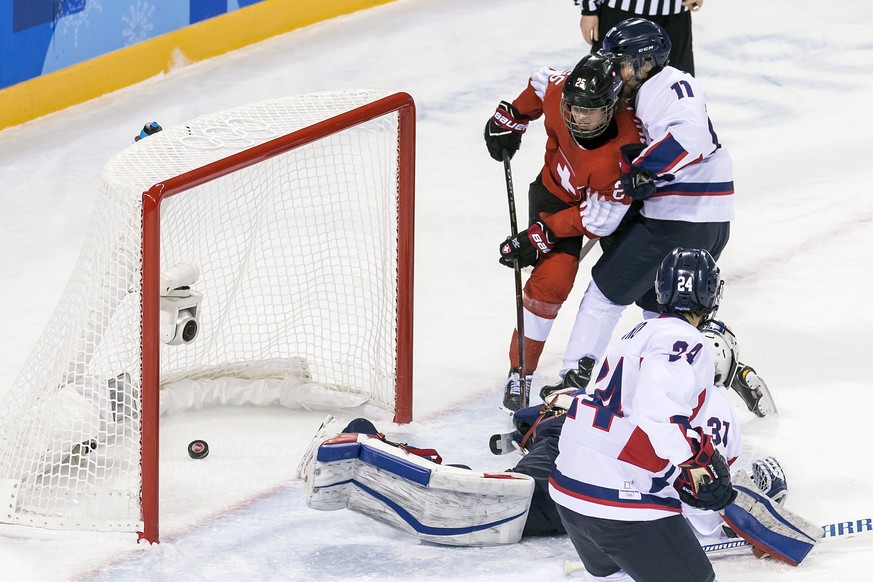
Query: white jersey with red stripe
{"x": 620, "y": 445}
{"x": 718, "y": 419}
{"x": 694, "y": 171}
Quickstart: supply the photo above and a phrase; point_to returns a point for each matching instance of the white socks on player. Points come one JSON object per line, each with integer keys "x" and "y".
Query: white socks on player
{"x": 595, "y": 322}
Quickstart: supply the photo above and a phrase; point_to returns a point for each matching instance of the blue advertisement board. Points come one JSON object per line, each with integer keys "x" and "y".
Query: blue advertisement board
{"x": 42, "y": 36}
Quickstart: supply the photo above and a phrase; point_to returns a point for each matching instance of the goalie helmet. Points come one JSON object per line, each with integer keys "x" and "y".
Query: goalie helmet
{"x": 591, "y": 94}
{"x": 638, "y": 41}
{"x": 724, "y": 349}
{"x": 688, "y": 281}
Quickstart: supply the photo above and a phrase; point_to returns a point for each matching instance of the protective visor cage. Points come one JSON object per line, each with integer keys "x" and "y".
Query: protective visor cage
{"x": 637, "y": 64}
{"x": 587, "y": 122}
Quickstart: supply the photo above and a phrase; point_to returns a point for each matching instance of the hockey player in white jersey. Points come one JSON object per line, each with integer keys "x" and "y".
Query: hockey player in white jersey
{"x": 683, "y": 178}
{"x": 540, "y": 427}
{"x": 637, "y": 448}
{"x": 718, "y": 420}
{"x": 628, "y": 455}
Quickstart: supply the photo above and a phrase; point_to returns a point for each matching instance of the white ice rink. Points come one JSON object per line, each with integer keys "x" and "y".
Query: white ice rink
{"x": 789, "y": 85}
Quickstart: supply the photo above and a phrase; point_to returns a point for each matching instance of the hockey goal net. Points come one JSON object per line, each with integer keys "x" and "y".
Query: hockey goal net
{"x": 267, "y": 247}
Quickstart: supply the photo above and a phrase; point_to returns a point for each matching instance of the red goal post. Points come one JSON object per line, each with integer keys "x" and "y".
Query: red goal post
{"x": 270, "y": 243}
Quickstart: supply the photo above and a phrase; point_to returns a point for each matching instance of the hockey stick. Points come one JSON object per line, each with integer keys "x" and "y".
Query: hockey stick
{"x": 588, "y": 246}
{"x": 838, "y": 530}
{"x": 519, "y": 298}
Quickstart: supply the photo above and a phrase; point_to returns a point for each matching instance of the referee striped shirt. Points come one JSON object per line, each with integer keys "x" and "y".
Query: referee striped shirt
{"x": 641, "y": 7}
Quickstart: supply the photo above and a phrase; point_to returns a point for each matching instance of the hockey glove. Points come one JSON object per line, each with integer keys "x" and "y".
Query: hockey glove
{"x": 705, "y": 480}
{"x": 637, "y": 182}
{"x": 528, "y": 245}
{"x": 504, "y": 130}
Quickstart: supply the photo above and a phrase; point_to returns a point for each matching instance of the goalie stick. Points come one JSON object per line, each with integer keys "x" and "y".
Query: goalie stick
{"x": 838, "y": 530}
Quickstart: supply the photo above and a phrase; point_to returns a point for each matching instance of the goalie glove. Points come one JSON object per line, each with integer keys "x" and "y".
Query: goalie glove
{"x": 504, "y": 130}
{"x": 705, "y": 478}
{"x": 769, "y": 477}
{"x": 637, "y": 182}
{"x": 527, "y": 246}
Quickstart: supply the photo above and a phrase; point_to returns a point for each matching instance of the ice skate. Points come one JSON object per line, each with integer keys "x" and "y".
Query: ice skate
{"x": 754, "y": 392}
{"x": 513, "y": 399}
{"x": 573, "y": 380}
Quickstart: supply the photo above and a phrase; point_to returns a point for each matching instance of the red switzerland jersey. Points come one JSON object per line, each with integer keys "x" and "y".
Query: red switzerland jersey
{"x": 572, "y": 173}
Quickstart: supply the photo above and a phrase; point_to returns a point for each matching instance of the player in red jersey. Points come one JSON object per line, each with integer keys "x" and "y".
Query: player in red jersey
{"x": 577, "y": 194}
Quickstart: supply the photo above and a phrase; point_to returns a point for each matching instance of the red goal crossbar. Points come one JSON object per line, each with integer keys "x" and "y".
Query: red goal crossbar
{"x": 399, "y": 103}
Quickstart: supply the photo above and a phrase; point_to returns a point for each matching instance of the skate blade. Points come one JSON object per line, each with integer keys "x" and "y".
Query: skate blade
{"x": 766, "y": 406}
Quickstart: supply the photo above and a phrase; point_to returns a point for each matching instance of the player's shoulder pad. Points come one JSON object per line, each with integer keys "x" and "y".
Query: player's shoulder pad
{"x": 545, "y": 76}
{"x": 671, "y": 87}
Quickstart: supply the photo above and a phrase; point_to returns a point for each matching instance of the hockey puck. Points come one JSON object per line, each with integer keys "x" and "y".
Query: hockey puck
{"x": 198, "y": 449}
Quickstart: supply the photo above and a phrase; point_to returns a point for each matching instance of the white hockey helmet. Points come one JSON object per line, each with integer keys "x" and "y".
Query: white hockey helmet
{"x": 724, "y": 349}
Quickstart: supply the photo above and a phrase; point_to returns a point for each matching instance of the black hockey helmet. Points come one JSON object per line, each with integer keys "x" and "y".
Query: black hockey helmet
{"x": 688, "y": 281}
{"x": 639, "y": 41}
{"x": 591, "y": 94}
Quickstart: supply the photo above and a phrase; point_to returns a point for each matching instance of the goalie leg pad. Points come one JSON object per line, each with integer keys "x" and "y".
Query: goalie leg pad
{"x": 440, "y": 504}
{"x": 328, "y": 427}
{"x": 768, "y": 526}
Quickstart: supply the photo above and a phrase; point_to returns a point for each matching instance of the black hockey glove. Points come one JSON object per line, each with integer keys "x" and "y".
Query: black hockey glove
{"x": 637, "y": 182}
{"x": 528, "y": 245}
{"x": 148, "y": 129}
{"x": 705, "y": 480}
{"x": 504, "y": 130}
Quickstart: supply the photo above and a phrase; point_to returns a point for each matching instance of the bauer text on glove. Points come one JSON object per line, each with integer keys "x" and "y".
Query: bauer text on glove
{"x": 504, "y": 130}
{"x": 528, "y": 245}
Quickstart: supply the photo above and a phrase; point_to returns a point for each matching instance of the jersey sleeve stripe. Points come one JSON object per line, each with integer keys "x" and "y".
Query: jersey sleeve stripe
{"x": 661, "y": 157}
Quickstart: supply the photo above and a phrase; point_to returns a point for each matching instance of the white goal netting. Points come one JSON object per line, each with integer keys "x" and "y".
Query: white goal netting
{"x": 295, "y": 264}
